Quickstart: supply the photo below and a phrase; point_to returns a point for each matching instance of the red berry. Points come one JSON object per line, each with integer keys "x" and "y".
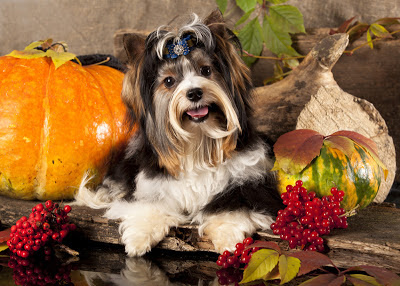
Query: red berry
{"x": 67, "y": 208}
{"x": 299, "y": 183}
{"x": 226, "y": 253}
{"x": 248, "y": 241}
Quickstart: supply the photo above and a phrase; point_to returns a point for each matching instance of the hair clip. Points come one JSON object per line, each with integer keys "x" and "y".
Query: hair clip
{"x": 182, "y": 47}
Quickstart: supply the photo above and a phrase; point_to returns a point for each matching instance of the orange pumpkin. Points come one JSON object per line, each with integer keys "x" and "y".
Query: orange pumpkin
{"x": 56, "y": 124}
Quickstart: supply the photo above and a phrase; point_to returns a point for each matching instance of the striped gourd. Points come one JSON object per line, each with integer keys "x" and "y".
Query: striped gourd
{"x": 342, "y": 162}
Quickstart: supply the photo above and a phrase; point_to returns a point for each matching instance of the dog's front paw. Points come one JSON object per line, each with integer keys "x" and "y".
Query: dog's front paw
{"x": 227, "y": 229}
{"x": 224, "y": 237}
{"x": 140, "y": 236}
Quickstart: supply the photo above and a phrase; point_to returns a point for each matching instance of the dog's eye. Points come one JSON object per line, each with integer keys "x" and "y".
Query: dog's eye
{"x": 169, "y": 82}
{"x": 205, "y": 71}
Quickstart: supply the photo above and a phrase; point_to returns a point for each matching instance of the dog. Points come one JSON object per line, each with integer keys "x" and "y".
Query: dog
{"x": 196, "y": 157}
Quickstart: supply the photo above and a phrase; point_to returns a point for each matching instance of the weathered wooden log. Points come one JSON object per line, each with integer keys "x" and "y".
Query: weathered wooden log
{"x": 310, "y": 98}
{"x": 372, "y": 237}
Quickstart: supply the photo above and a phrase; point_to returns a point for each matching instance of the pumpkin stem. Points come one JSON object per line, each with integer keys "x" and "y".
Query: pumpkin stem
{"x": 102, "y": 62}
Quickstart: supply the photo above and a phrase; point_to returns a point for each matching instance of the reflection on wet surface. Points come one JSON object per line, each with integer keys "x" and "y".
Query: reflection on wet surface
{"x": 100, "y": 265}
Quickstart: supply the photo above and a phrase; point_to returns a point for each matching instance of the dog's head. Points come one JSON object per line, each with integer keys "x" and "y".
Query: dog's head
{"x": 189, "y": 91}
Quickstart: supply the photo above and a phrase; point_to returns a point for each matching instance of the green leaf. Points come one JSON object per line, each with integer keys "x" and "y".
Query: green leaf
{"x": 244, "y": 17}
{"x": 251, "y": 38}
{"x": 380, "y": 31}
{"x": 288, "y": 268}
{"x": 296, "y": 149}
{"x": 277, "y": 1}
{"x": 261, "y": 264}
{"x": 59, "y": 58}
{"x": 246, "y": 5}
{"x": 366, "y": 280}
{"x": 287, "y": 18}
{"x": 277, "y": 41}
{"x": 290, "y": 63}
{"x": 222, "y": 4}
{"x": 369, "y": 39}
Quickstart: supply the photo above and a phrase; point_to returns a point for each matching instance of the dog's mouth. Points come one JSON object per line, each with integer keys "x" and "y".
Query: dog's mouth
{"x": 198, "y": 114}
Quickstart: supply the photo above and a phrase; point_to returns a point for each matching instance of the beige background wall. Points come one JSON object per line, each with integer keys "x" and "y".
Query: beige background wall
{"x": 88, "y": 25}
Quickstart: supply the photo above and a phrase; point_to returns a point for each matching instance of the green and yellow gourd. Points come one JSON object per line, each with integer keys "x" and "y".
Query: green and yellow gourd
{"x": 345, "y": 159}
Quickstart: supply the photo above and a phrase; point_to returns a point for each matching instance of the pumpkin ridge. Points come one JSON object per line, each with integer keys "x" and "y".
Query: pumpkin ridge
{"x": 44, "y": 140}
{"x": 103, "y": 94}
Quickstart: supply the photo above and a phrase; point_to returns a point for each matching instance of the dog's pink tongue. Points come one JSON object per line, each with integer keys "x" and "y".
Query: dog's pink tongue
{"x": 198, "y": 113}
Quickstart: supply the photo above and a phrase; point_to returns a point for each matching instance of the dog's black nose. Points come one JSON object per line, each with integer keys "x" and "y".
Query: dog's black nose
{"x": 195, "y": 94}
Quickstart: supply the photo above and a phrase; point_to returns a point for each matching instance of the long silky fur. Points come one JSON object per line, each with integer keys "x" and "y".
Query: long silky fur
{"x": 138, "y": 94}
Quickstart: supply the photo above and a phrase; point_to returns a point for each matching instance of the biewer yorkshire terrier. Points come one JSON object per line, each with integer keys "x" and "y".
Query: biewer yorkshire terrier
{"x": 196, "y": 157}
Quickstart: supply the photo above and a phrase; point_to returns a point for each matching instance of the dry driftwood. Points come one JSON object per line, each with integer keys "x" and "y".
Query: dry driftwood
{"x": 310, "y": 98}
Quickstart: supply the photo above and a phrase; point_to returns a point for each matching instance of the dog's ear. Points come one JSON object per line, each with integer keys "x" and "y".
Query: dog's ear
{"x": 215, "y": 22}
{"x": 134, "y": 46}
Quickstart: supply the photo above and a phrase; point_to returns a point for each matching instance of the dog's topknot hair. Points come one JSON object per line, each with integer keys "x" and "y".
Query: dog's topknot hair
{"x": 200, "y": 31}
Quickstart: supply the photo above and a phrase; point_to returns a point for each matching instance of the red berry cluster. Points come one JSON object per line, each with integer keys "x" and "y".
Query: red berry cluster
{"x": 229, "y": 276}
{"x": 306, "y": 217}
{"x": 39, "y": 271}
{"x": 46, "y": 224}
{"x": 241, "y": 255}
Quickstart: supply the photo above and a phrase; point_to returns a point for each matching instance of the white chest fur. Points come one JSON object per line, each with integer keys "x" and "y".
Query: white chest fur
{"x": 194, "y": 189}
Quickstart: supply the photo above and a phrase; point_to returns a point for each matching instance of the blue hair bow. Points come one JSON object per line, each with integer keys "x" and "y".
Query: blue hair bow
{"x": 182, "y": 47}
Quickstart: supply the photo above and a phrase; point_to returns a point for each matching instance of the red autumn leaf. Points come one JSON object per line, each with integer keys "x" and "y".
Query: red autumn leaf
{"x": 368, "y": 144}
{"x": 383, "y": 276}
{"x": 341, "y": 143}
{"x": 388, "y": 21}
{"x": 296, "y": 149}
{"x": 310, "y": 260}
{"x": 366, "y": 281}
{"x": 345, "y": 26}
{"x": 265, "y": 244}
{"x": 5, "y": 235}
{"x": 326, "y": 280}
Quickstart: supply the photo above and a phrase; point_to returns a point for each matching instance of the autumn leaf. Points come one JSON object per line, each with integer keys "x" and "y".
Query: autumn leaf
{"x": 59, "y": 58}
{"x": 296, "y": 149}
{"x": 368, "y": 144}
{"x": 310, "y": 260}
{"x": 383, "y": 276}
{"x": 261, "y": 264}
{"x": 3, "y": 246}
{"x": 265, "y": 244}
{"x": 27, "y": 54}
{"x": 5, "y": 235}
{"x": 363, "y": 280}
{"x": 288, "y": 268}
{"x": 56, "y": 52}
{"x": 326, "y": 280}
{"x": 380, "y": 31}
{"x": 344, "y": 144}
